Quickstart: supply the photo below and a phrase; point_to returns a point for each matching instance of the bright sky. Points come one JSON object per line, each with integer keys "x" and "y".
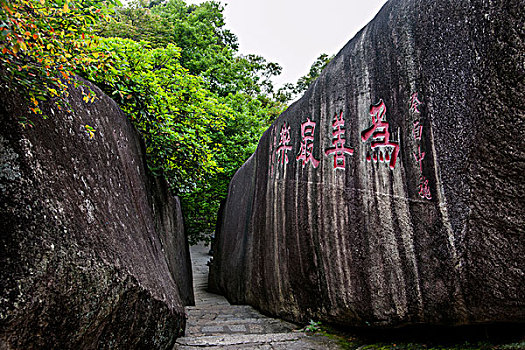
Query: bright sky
{"x": 294, "y": 33}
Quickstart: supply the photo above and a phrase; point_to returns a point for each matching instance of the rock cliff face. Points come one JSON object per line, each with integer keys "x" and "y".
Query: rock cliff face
{"x": 92, "y": 248}
{"x": 392, "y": 192}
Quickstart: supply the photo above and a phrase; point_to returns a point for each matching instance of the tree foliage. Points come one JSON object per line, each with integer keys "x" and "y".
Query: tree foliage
{"x": 315, "y": 70}
{"x": 241, "y": 84}
{"x": 239, "y": 139}
{"x": 209, "y": 50}
{"x": 42, "y": 44}
{"x": 289, "y": 91}
{"x": 173, "y": 110}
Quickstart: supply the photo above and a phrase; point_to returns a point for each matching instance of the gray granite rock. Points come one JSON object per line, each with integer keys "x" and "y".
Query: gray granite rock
{"x": 392, "y": 192}
{"x": 92, "y": 249}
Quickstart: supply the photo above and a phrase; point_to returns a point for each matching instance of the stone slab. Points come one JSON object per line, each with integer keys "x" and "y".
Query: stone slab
{"x": 391, "y": 193}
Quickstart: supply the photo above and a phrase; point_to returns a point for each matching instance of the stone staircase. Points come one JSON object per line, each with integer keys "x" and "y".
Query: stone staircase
{"x": 213, "y": 323}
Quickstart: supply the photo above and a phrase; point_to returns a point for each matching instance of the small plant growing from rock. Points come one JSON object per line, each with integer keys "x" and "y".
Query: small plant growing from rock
{"x": 313, "y": 327}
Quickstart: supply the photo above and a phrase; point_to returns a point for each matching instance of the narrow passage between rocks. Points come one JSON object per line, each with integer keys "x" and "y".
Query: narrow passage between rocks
{"x": 214, "y": 323}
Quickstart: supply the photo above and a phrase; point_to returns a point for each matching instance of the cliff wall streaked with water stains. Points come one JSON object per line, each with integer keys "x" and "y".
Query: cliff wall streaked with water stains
{"x": 391, "y": 192}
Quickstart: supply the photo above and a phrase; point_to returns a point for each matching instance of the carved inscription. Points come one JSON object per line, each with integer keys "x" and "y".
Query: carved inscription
{"x": 307, "y": 143}
{"x": 382, "y": 149}
{"x": 284, "y": 144}
{"x": 338, "y": 141}
{"x": 419, "y": 155}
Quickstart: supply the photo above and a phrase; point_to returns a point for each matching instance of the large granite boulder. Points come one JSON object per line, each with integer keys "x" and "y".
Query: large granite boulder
{"x": 92, "y": 248}
{"x": 392, "y": 192}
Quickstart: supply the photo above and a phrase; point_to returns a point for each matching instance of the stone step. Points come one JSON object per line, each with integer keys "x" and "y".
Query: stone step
{"x": 224, "y": 311}
{"x": 234, "y": 320}
{"x": 238, "y": 319}
{"x": 201, "y": 307}
{"x": 272, "y": 341}
{"x": 232, "y": 328}
{"x": 213, "y": 314}
{"x": 238, "y": 339}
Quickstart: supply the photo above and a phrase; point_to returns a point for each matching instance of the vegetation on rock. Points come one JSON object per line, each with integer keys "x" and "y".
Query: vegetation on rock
{"x": 43, "y": 43}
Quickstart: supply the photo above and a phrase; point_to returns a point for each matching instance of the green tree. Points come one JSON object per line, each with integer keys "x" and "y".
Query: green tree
{"x": 241, "y": 83}
{"x": 315, "y": 70}
{"x": 201, "y": 108}
{"x": 209, "y": 50}
{"x": 175, "y": 113}
{"x": 290, "y": 91}
{"x": 238, "y": 140}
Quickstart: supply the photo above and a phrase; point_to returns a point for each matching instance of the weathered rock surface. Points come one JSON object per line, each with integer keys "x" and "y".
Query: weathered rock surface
{"x": 92, "y": 249}
{"x": 392, "y": 192}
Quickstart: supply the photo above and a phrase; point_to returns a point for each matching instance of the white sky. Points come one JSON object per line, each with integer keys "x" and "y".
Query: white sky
{"x": 294, "y": 33}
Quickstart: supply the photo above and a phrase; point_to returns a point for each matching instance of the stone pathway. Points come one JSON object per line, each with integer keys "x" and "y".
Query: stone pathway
{"x": 215, "y": 324}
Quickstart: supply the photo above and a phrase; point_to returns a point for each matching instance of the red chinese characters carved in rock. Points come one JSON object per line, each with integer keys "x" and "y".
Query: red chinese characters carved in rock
{"x": 338, "y": 141}
{"x": 417, "y": 131}
{"x": 284, "y": 144}
{"x": 424, "y": 189}
{"x": 383, "y": 149}
{"x": 307, "y": 143}
{"x": 415, "y": 103}
{"x": 419, "y": 158}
